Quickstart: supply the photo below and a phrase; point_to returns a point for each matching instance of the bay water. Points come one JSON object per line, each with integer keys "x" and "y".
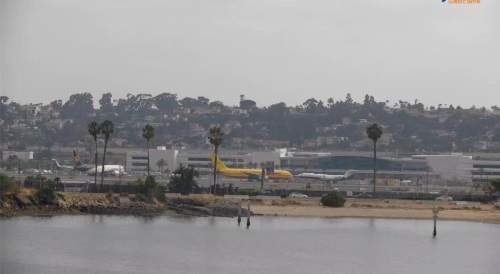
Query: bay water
{"x": 278, "y": 245}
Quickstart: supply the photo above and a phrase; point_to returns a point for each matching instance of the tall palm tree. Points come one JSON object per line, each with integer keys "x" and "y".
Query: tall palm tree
{"x": 148, "y": 132}
{"x": 215, "y": 136}
{"x": 94, "y": 129}
{"x": 107, "y": 127}
{"x": 161, "y": 163}
{"x": 374, "y": 132}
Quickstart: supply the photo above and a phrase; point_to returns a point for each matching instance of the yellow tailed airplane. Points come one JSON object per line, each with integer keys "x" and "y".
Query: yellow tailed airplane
{"x": 249, "y": 173}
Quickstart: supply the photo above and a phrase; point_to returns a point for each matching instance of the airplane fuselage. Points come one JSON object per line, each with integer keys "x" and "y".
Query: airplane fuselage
{"x": 326, "y": 177}
{"x": 243, "y": 173}
{"x": 107, "y": 168}
{"x": 323, "y": 177}
{"x": 248, "y": 173}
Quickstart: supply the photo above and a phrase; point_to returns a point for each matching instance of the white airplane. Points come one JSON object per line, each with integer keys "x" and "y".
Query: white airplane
{"x": 90, "y": 169}
{"x": 109, "y": 170}
{"x": 326, "y": 177}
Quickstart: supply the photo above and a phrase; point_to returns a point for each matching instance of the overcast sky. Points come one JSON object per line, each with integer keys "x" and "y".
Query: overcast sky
{"x": 269, "y": 50}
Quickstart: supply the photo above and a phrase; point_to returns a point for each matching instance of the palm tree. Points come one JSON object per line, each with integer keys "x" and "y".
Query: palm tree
{"x": 215, "y": 136}
{"x": 476, "y": 186}
{"x": 374, "y": 132}
{"x": 148, "y": 132}
{"x": 94, "y": 129}
{"x": 161, "y": 163}
{"x": 107, "y": 127}
{"x": 150, "y": 184}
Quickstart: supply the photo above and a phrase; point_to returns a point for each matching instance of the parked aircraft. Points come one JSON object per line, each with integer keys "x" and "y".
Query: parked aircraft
{"x": 37, "y": 171}
{"x": 249, "y": 173}
{"x": 90, "y": 169}
{"x": 326, "y": 177}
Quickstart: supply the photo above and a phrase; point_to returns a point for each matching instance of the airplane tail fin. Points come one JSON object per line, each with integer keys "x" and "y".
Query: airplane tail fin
{"x": 76, "y": 158}
{"x": 57, "y": 163}
{"x": 220, "y": 164}
{"x": 349, "y": 173}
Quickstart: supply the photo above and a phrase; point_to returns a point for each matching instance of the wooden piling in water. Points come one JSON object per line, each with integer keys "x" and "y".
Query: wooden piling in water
{"x": 239, "y": 212}
{"x": 248, "y": 214}
{"x": 435, "y": 215}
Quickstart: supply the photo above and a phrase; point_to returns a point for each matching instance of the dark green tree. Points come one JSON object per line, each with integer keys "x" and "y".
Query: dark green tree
{"x": 183, "y": 180}
{"x": 215, "y": 136}
{"x": 166, "y": 102}
{"x": 374, "y": 132}
{"x": 151, "y": 185}
{"x": 106, "y": 103}
{"x": 148, "y": 132}
{"x": 7, "y": 184}
{"x": 79, "y": 106}
{"x": 57, "y": 105}
{"x": 247, "y": 104}
{"x": 495, "y": 185}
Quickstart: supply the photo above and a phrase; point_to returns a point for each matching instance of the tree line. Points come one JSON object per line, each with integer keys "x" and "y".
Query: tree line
{"x": 446, "y": 128}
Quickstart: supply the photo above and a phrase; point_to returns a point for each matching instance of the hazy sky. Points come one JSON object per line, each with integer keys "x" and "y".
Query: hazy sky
{"x": 269, "y": 50}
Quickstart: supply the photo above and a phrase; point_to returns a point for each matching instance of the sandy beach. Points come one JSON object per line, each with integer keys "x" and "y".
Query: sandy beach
{"x": 379, "y": 209}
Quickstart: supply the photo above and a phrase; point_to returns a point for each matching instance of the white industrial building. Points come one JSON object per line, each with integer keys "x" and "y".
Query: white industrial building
{"x": 137, "y": 161}
{"x": 445, "y": 168}
{"x": 21, "y": 155}
{"x": 198, "y": 159}
{"x": 454, "y": 167}
{"x": 485, "y": 170}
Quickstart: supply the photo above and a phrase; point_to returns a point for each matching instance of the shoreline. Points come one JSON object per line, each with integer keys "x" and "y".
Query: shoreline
{"x": 482, "y": 216}
{"x": 492, "y": 217}
{"x": 208, "y": 205}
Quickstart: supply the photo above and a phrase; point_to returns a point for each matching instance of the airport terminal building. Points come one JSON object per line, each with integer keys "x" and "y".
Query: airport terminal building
{"x": 445, "y": 169}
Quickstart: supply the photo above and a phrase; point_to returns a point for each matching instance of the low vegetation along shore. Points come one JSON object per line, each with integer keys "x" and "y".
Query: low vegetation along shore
{"x": 20, "y": 204}
{"x": 24, "y": 203}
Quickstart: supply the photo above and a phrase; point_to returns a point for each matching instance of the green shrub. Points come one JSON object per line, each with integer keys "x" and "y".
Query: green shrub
{"x": 333, "y": 199}
{"x": 61, "y": 196}
{"x": 150, "y": 182}
{"x": 255, "y": 193}
{"x": 45, "y": 196}
{"x": 244, "y": 192}
{"x": 124, "y": 194}
{"x": 160, "y": 194}
{"x": 7, "y": 184}
{"x": 138, "y": 186}
{"x": 141, "y": 197}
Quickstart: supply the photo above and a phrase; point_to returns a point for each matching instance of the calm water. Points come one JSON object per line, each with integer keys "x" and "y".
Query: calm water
{"x": 112, "y": 244}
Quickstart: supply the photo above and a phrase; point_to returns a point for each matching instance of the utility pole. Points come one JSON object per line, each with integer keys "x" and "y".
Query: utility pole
{"x": 427, "y": 187}
{"x": 263, "y": 175}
